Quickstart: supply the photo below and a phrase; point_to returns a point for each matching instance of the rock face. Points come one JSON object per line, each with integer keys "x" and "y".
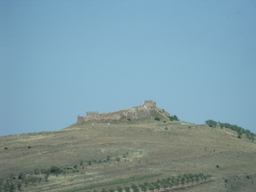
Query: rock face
{"x": 142, "y": 111}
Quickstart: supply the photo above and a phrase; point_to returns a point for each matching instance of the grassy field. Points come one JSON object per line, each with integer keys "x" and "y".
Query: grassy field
{"x": 92, "y": 157}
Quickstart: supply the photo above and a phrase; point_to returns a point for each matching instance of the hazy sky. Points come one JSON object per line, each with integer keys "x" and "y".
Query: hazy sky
{"x": 58, "y": 59}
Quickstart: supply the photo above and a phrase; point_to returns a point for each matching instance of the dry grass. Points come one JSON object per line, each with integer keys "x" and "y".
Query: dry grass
{"x": 182, "y": 148}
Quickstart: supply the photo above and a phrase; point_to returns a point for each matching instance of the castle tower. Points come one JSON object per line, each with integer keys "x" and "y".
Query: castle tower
{"x": 92, "y": 115}
{"x": 149, "y": 104}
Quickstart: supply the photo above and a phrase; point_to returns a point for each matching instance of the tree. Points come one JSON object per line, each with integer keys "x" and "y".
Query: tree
{"x": 12, "y": 187}
{"x": 239, "y": 134}
{"x": 183, "y": 180}
{"x": 157, "y": 186}
{"x": 127, "y": 189}
{"x": 19, "y": 186}
{"x": 211, "y": 123}
{"x": 151, "y": 188}
{"x": 173, "y": 118}
{"x": 119, "y": 189}
{"x": 144, "y": 188}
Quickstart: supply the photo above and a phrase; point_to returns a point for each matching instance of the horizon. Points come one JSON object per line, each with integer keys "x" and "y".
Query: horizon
{"x": 59, "y": 59}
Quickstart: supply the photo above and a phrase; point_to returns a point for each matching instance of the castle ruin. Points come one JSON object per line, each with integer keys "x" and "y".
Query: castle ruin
{"x": 132, "y": 113}
{"x": 149, "y": 104}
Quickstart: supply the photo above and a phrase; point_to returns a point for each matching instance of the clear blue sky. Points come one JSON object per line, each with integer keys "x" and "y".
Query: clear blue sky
{"x": 58, "y": 59}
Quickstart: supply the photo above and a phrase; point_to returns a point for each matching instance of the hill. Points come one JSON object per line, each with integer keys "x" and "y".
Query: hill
{"x": 149, "y": 152}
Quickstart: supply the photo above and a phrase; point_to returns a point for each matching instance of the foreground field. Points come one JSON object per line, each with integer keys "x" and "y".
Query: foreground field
{"x": 103, "y": 156}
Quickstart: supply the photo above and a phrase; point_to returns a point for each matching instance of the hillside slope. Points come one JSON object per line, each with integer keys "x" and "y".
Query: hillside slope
{"x": 103, "y": 152}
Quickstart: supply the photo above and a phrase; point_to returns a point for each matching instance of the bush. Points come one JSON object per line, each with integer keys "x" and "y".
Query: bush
{"x": 157, "y": 118}
{"x": 46, "y": 176}
{"x": 127, "y": 189}
{"x": 211, "y": 123}
{"x": 36, "y": 171}
{"x": 22, "y": 176}
{"x": 55, "y": 170}
{"x": 19, "y": 185}
{"x": 12, "y": 187}
{"x": 119, "y": 189}
{"x": 173, "y": 118}
{"x": 239, "y": 135}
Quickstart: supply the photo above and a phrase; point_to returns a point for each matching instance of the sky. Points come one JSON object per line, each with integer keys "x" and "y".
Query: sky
{"x": 61, "y": 58}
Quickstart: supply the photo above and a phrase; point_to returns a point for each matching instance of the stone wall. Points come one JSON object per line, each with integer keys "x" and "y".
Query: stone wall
{"x": 138, "y": 112}
{"x": 92, "y": 115}
{"x": 80, "y": 119}
{"x": 149, "y": 104}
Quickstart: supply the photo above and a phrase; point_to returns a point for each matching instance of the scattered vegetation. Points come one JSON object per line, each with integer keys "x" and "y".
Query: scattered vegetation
{"x": 240, "y": 131}
{"x": 173, "y": 118}
{"x": 165, "y": 183}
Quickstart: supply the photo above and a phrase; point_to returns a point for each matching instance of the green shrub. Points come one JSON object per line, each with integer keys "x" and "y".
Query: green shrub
{"x": 55, "y": 170}
{"x": 173, "y": 118}
{"x": 12, "y": 187}
{"x": 157, "y": 118}
{"x": 22, "y": 176}
{"x": 211, "y": 123}
{"x": 127, "y": 189}
{"x": 36, "y": 171}
{"x": 19, "y": 185}
{"x": 119, "y": 189}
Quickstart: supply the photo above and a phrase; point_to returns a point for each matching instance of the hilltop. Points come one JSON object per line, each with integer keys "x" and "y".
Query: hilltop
{"x": 142, "y": 146}
{"x": 147, "y": 110}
